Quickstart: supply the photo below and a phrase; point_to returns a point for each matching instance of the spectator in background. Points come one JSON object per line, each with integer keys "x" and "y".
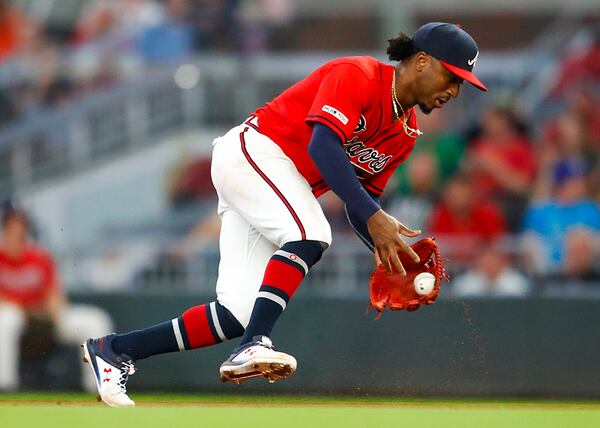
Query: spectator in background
{"x": 190, "y": 183}
{"x": 568, "y": 139}
{"x": 106, "y": 40}
{"x": 30, "y": 292}
{"x": 15, "y": 29}
{"x": 98, "y": 20}
{"x": 416, "y": 183}
{"x": 577, "y": 145}
{"x": 418, "y": 191}
{"x": 561, "y": 203}
{"x": 214, "y": 23}
{"x": 580, "y": 63}
{"x": 102, "y": 19}
{"x": 33, "y": 59}
{"x": 257, "y": 18}
{"x": 171, "y": 39}
{"x": 574, "y": 141}
{"x": 192, "y": 194}
{"x": 584, "y": 105}
{"x": 462, "y": 220}
{"x": 492, "y": 275}
{"x": 447, "y": 147}
{"x": 50, "y": 88}
{"x": 575, "y": 136}
{"x": 503, "y": 163}
{"x": 581, "y": 253}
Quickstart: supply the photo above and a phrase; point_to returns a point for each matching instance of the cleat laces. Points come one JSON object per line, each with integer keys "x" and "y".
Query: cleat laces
{"x": 127, "y": 369}
{"x": 264, "y": 341}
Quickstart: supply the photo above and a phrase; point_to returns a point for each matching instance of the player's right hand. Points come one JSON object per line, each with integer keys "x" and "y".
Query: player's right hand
{"x": 386, "y": 233}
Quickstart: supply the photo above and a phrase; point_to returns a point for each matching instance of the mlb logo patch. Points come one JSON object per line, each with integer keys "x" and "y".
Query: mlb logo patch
{"x": 335, "y": 113}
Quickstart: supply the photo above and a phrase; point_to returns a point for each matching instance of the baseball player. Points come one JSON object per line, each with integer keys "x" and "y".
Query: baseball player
{"x": 345, "y": 127}
{"x": 31, "y": 294}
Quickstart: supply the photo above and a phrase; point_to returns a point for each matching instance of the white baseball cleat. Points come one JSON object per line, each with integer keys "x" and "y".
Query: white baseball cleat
{"x": 111, "y": 371}
{"x": 257, "y": 359}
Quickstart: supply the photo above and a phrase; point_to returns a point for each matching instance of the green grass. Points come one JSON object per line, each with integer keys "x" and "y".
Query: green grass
{"x": 190, "y": 411}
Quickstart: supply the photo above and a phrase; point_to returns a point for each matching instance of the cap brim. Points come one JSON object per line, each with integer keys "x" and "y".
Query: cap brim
{"x": 465, "y": 75}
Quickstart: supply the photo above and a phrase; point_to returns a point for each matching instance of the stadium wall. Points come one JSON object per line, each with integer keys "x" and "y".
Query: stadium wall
{"x": 527, "y": 347}
{"x": 125, "y": 191}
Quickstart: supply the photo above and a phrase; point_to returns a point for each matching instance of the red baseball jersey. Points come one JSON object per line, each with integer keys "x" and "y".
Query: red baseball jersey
{"x": 353, "y": 97}
{"x": 27, "y": 280}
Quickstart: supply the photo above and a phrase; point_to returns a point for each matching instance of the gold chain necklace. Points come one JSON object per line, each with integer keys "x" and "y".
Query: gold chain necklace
{"x": 411, "y": 132}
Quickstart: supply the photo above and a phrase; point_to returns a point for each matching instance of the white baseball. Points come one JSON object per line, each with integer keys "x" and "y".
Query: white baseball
{"x": 424, "y": 283}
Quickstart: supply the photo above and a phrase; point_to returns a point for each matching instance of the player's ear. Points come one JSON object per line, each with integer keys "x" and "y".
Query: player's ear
{"x": 422, "y": 61}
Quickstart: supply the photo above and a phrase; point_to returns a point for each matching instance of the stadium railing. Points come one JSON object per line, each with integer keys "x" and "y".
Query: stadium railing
{"x": 144, "y": 262}
{"x": 214, "y": 90}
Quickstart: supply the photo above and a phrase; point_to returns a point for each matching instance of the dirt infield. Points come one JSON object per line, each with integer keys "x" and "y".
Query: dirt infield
{"x": 257, "y": 403}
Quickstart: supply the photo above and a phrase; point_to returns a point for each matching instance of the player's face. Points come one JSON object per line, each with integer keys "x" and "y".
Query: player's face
{"x": 15, "y": 234}
{"x": 435, "y": 84}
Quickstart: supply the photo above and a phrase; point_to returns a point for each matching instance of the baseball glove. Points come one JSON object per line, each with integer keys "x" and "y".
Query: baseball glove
{"x": 397, "y": 292}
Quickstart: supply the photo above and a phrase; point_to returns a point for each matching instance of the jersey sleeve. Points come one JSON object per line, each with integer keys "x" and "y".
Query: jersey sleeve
{"x": 340, "y": 98}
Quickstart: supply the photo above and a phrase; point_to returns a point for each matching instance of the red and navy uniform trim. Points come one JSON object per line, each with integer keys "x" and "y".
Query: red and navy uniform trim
{"x": 250, "y": 124}
{"x": 340, "y": 131}
{"x": 199, "y": 329}
{"x": 270, "y": 183}
{"x": 184, "y": 335}
{"x": 288, "y": 262}
{"x": 211, "y": 324}
{"x": 276, "y": 291}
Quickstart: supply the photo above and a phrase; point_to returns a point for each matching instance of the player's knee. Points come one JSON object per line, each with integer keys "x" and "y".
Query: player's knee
{"x": 309, "y": 251}
{"x": 324, "y": 235}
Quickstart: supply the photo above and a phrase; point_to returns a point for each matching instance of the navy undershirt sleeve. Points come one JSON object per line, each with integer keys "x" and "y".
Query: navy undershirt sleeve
{"x": 360, "y": 227}
{"x": 330, "y": 158}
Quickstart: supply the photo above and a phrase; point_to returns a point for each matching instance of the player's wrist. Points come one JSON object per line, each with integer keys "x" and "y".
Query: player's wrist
{"x": 366, "y": 209}
{"x": 378, "y": 217}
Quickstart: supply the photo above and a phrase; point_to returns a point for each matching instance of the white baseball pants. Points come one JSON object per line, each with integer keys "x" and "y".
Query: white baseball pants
{"x": 264, "y": 202}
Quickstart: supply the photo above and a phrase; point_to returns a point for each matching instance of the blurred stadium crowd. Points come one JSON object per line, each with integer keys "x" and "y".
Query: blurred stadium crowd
{"x": 514, "y": 200}
{"x": 507, "y": 199}
{"x": 96, "y": 44}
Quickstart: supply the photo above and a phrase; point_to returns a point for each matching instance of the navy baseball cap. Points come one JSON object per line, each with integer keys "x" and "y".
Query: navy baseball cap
{"x": 452, "y": 46}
